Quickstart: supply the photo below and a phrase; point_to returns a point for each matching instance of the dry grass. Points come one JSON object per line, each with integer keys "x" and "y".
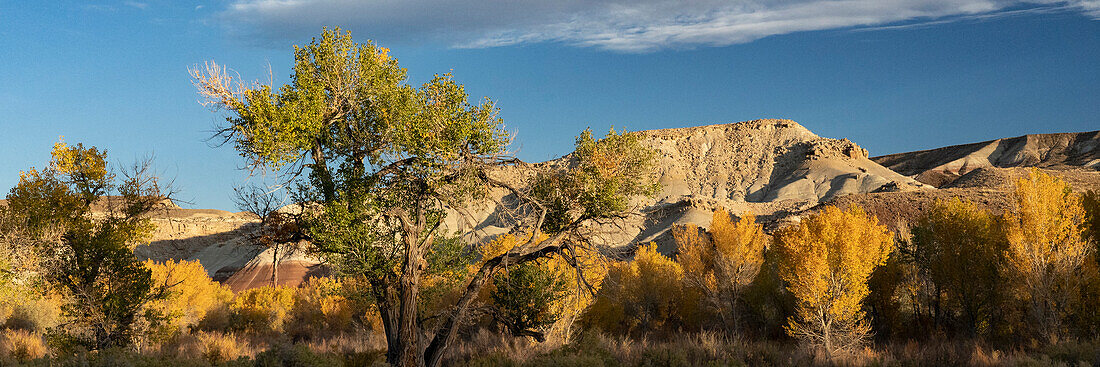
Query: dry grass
{"x": 709, "y": 349}
{"x": 22, "y": 345}
{"x": 364, "y": 342}
{"x": 213, "y": 347}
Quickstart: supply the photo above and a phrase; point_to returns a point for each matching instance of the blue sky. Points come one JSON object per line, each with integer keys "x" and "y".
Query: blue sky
{"x": 891, "y": 75}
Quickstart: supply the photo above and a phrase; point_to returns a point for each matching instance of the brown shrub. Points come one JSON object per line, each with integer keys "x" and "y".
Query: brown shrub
{"x": 22, "y": 345}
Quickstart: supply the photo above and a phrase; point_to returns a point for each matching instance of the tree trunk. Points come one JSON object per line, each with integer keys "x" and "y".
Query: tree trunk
{"x": 387, "y": 298}
{"x": 446, "y": 335}
{"x": 275, "y": 267}
{"x": 408, "y": 353}
{"x": 321, "y": 173}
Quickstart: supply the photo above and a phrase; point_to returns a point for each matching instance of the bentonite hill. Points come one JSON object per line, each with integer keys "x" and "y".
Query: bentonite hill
{"x": 776, "y": 169}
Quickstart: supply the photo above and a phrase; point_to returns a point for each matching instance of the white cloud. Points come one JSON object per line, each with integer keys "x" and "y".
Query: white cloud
{"x": 619, "y": 25}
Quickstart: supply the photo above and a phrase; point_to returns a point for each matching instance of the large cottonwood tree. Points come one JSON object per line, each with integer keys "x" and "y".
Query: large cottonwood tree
{"x": 387, "y": 160}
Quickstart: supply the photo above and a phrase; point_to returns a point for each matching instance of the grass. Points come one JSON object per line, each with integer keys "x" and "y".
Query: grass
{"x": 486, "y": 348}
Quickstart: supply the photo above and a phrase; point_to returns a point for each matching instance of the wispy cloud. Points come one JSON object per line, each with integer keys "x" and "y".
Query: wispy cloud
{"x": 618, "y": 25}
{"x": 137, "y": 4}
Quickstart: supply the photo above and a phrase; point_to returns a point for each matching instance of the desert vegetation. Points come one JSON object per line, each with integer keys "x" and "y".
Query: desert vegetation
{"x": 377, "y": 172}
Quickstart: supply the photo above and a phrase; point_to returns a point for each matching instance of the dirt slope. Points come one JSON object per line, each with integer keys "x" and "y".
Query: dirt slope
{"x": 941, "y": 166}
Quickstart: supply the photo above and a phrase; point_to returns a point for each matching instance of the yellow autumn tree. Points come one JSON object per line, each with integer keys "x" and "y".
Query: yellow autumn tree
{"x": 642, "y": 296}
{"x": 191, "y": 292}
{"x": 825, "y": 262}
{"x": 1047, "y": 250}
{"x": 722, "y": 266}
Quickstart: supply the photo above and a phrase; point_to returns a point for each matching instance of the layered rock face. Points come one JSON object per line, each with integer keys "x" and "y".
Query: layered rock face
{"x": 768, "y": 167}
{"x": 942, "y": 166}
{"x": 764, "y": 161}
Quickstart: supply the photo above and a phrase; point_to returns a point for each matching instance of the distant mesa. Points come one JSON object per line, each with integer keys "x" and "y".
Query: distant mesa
{"x": 942, "y": 166}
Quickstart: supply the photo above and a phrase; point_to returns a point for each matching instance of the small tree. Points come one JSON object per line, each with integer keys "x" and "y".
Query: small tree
{"x": 722, "y": 267}
{"x": 525, "y": 298}
{"x": 279, "y": 230}
{"x": 825, "y": 262}
{"x": 85, "y": 238}
{"x": 565, "y": 307}
{"x": 1047, "y": 248}
{"x": 961, "y": 248}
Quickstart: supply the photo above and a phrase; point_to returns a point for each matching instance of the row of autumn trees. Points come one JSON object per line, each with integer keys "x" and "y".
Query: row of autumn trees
{"x": 839, "y": 277}
{"x": 378, "y": 165}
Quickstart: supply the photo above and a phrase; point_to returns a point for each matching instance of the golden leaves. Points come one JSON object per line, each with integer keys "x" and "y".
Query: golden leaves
{"x": 826, "y": 261}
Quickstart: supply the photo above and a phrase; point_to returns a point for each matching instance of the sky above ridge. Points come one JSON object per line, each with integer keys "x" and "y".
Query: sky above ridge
{"x": 891, "y": 75}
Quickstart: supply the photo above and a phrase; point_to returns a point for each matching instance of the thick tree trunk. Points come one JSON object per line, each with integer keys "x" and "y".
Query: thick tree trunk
{"x": 389, "y": 317}
{"x": 406, "y": 351}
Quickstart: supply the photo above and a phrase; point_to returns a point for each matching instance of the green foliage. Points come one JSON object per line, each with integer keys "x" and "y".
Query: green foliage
{"x": 1090, "y": 201}
{"x": 960, "y": 248}
{"x": 386, "y": 162}
{"x": 601, "y": 176}
{"x": 87, "y": 258}
{"x": 525, "y": 297}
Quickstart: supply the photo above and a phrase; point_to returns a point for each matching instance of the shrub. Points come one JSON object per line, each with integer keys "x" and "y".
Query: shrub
{"x": 261, "y": 310}
{"x": 574, "y": 299}
{"x": 525, "y": 296}
{"x": 35, "y": 313}
{"x": 297, "y": 356}
{"x": 826, "y": 261}
{"x": 320, "y": 310}
{"x": 191, "y": 292}
{"x": 211, "y": 347}
{"x": 22, "y": 345}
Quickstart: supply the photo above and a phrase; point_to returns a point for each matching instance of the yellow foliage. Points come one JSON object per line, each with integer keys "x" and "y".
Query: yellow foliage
{"x": 21, "y": 345}
{"x": 577, "y": 299}
{"x": 720, "y": 267}
{"x": 89, "y": 163}
{"x": 1046, "y": 248}
{"x": 642, "y": 295}
{"x": 191, "y": 292}
{"x": 320, "y": 309}
{"x": 263, "y": 309}
{"x": 826, "y": 261}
